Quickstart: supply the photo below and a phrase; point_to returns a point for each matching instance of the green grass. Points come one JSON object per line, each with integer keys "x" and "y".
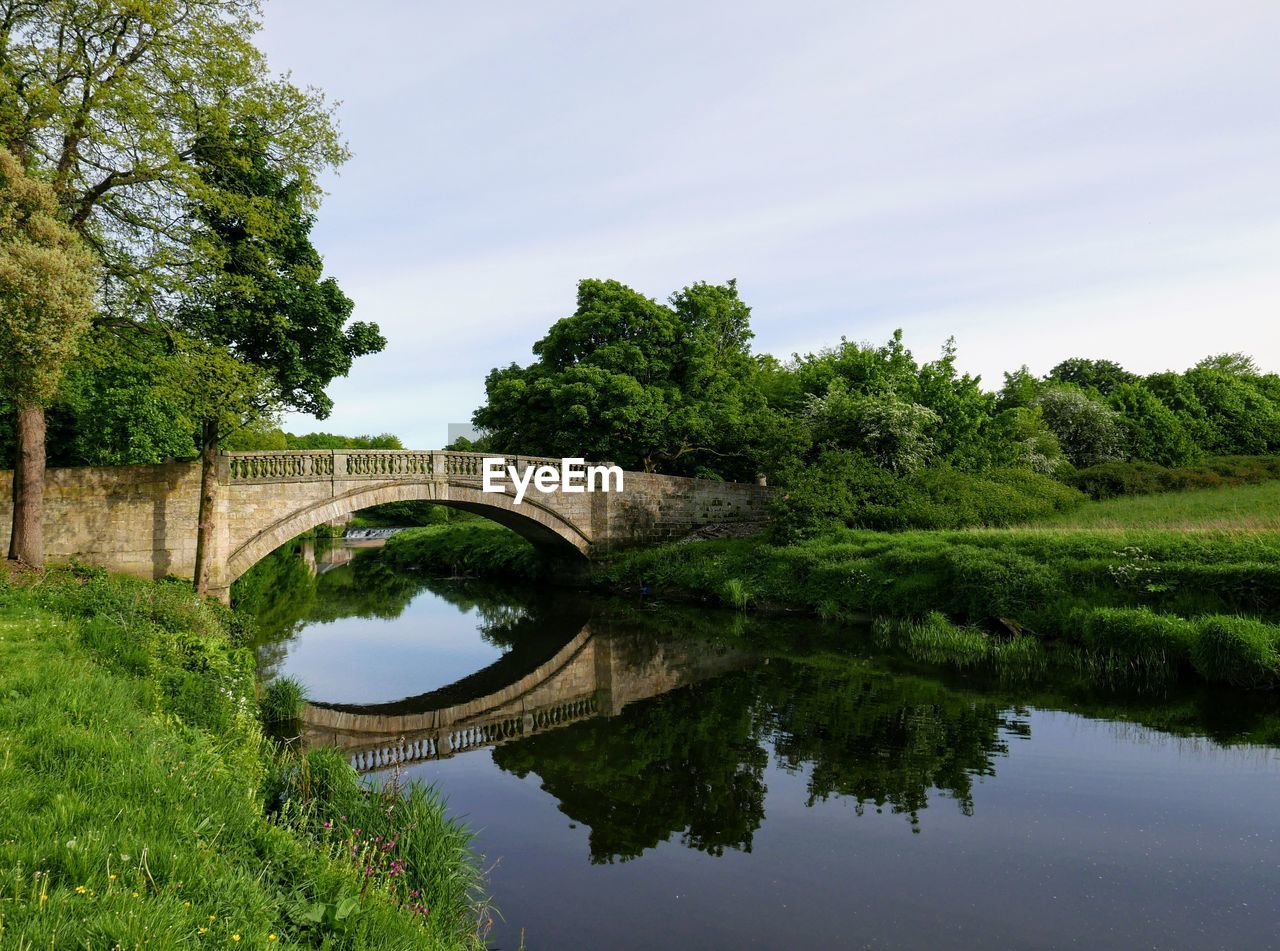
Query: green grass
{"x": 1246, "y": 508}
{"x": 134, "y": 780}
{"x": 1049, "y": 584}
{"x": 283, "y": 700}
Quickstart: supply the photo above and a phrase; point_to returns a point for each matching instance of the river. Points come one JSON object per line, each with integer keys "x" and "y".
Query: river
{"x": 650, "y": 776}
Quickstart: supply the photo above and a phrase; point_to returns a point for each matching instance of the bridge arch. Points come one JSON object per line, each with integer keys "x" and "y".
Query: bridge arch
{"x": 532, "y": 520}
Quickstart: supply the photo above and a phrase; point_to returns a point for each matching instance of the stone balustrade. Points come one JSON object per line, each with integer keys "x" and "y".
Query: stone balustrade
{"x": 343, "y": 464}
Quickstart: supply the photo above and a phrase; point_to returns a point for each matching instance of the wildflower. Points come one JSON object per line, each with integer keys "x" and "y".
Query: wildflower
{"x": 235, "y": 937}
{"x": 213, "y": 917}
{"x": 80, "y": 889}
{"x": 111, "y": 877}
{"x": 204, "y": 930}
{"x": 186, "y": 904}
{"x": 272, "y": 936}
{"x": 136, "y": 895}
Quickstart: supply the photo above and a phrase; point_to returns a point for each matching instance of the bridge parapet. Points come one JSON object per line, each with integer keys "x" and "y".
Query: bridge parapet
{"x": 343, "y": 464}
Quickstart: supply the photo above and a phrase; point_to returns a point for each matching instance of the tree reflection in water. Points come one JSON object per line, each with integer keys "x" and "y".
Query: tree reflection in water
{"x": 691, "y": 763}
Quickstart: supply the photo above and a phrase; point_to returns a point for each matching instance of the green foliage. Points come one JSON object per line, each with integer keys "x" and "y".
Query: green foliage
{"x": 406, "y": 514}
{"x": 283, "y": 700}
{"x": 888, "y": 429}
{"x": 1102, "y": 377}
{"x": 1140, "y": 636}
{"x": 1153, "y": 432}
{"x": 112, "y": 123}
{"x": 47, "y": 287}
{"x": 1044, "y": 581}
{"x": 843, "y": 489}
{"x": 134, "y": 779}
{"x": 265, "y": 299}
{"x": 1241, "y": 651}
{"x": 263, "y": 438}
{"x": 1087, "y": 429}
{"x": 398, "y": 839}
{"x": 467, "y": 548}
{"x": 641, "y": 384}
{"x": 1113, "y": 479}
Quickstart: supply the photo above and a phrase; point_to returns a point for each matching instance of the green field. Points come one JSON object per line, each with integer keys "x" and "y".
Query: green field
{"x": 1244, "y": 508}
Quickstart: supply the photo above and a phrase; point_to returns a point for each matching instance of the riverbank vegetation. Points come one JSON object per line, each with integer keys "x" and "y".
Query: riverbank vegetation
{"x": 1200, "y": 603}
{"x": 475, "y": 547}
{"x": 140, "y": 803}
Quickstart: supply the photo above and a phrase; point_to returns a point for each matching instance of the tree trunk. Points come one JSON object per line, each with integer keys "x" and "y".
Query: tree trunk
{"x": 208, "y": 490}
{"x": 26, "y": 543}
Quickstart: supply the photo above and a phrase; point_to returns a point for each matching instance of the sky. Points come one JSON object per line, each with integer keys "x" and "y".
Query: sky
{"x": 1039, "y": 180}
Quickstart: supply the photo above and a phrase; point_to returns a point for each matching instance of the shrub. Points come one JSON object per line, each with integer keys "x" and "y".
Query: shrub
{"x": 847, "y": 490}
{"x": 1237, "y": 650}
{"x": 1113, "y": 479}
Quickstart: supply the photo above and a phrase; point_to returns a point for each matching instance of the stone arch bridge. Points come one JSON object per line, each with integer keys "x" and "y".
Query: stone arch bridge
{"x": 141, "y": 520}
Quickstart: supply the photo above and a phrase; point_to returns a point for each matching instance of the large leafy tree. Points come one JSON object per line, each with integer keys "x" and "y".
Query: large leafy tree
{"x": 131, "y": 109}
{"x": 266, "y": 302}
{"x": 660, "y": 387}
{"x": 110, "y": 97}
{"x": 47, "y": 297}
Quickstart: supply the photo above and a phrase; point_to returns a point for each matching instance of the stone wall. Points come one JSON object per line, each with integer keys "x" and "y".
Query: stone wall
{"x": 140, "y": 520}
{"x": 658, "y": 508}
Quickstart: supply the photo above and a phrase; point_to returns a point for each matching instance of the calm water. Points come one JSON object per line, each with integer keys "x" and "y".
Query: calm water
{"x": 642, "y": 777}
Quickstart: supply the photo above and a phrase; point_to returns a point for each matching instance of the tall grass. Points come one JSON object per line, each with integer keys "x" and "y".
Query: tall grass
{"x": 283, "y": 700}
{"x": 1244, "y": 509}
{"x": 133, "y": 774}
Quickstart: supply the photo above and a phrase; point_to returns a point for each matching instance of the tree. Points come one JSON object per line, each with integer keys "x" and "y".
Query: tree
{"x": 1088, "y": 430}
{"x": 1153, "y": 432}
{"x": 266, "y": 302}
{"x": 47, "y": 290}
{"x": 110, "y": 99}
{"x": 1238, "y": 363}
{"x": 1100, "y": 376}
{"x": 895, "y": 433}
{"x": 660, "y": 387}
{"x": 119, "y": 104}
{"x": 1020, "y": 389}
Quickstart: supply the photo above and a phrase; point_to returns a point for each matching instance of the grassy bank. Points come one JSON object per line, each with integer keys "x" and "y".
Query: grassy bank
{"x": 140, "y": 803}
{"x": 1203, "y": 603}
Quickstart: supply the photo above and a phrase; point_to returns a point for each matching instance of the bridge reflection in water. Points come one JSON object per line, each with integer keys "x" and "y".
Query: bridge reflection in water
{"x": 595, "y": 674}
